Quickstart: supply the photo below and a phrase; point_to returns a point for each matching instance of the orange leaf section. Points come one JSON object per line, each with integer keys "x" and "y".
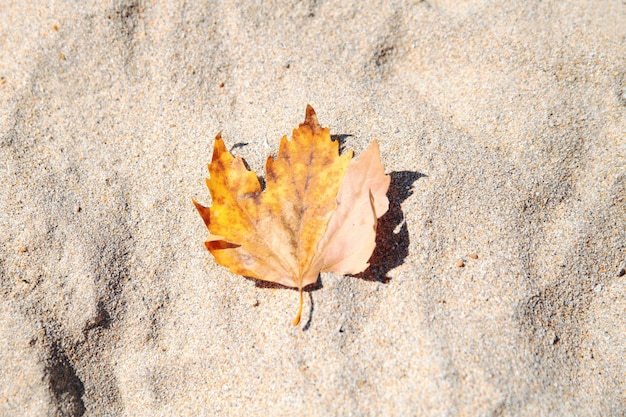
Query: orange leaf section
{"x": 273, "y": 235}
{"x": 317, "y": 213}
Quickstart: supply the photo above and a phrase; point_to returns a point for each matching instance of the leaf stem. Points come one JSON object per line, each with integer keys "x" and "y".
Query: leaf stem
{"x": 296, "y": 321}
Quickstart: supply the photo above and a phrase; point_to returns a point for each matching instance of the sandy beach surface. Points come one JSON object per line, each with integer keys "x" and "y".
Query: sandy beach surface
{"x": 498, "y": 285}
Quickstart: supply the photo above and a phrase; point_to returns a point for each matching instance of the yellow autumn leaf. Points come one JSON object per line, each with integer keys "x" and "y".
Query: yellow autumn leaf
{"x": 318, "y": 211}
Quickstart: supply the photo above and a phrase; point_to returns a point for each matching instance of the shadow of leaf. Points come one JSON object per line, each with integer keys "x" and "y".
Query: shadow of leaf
{"x": 238, "y": 145}
{"x": 392, "y": 246}
{"x": 342, "y": 138}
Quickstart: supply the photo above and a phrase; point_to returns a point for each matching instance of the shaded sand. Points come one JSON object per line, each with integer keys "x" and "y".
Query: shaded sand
{"x": 503, "y": 128}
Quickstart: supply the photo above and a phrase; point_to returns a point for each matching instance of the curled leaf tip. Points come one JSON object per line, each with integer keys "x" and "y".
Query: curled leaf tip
{"x": 205, "y": 212}
{"x": 310, "y": 119}
{"x": 219, "y": 147}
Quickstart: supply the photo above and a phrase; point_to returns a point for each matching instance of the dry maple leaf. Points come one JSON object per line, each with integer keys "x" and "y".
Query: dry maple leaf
{"x": 318, "y": 211}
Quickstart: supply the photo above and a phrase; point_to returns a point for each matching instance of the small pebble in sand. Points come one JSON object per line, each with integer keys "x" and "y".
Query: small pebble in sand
{"x": 460, "y": 263}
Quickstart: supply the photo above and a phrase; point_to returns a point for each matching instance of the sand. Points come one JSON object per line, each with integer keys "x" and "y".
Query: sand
{"x": 497, "y": 287}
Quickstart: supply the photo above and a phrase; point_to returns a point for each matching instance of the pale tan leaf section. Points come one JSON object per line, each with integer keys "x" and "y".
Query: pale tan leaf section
{"x": 350, "y": 238}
